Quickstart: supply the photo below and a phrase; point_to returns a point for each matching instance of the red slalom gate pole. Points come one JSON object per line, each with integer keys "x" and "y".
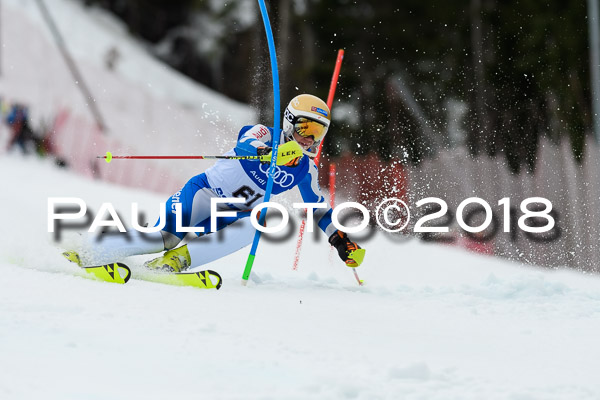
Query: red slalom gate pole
{"x": 332, "y": 172}
{"x": 332, "y": 87}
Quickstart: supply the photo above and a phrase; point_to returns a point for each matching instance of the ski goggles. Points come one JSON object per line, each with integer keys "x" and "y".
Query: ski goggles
{"x": 308, "y": 128}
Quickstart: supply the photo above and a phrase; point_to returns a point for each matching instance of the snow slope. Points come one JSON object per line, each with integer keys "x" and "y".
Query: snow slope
{"x": 431, "y": 323}
{"x": 147, "y": 106}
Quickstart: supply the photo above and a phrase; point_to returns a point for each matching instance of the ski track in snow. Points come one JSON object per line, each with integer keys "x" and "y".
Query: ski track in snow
{"x": 432, "y": 322}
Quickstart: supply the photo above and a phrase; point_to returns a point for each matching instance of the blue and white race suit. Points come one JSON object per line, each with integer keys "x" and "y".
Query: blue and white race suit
{"x": 245, "y": 179}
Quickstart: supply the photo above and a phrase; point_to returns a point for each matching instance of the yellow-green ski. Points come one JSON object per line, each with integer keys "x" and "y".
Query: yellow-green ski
{"x": 202, "y": 279}
{"x": 120, "y": 273}
{"x": 115, "y": 272}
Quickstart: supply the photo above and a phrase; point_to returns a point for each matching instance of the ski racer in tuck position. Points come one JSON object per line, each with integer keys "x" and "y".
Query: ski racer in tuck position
{"x": 306, "y": 121}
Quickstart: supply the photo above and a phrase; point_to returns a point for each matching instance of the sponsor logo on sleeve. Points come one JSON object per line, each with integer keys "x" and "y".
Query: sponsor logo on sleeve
{"x": 262, "y": 132}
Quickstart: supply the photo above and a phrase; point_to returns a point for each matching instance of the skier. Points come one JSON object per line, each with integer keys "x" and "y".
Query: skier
{"x": 306, "y": 121}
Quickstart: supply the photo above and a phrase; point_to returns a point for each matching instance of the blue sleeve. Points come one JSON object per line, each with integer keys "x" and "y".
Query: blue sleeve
{"x": 251, "y": 138}
{"x": 311, "y": 193}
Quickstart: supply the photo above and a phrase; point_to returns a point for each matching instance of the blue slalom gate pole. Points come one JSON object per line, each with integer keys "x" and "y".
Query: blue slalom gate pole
{"x": 276, "y": 134}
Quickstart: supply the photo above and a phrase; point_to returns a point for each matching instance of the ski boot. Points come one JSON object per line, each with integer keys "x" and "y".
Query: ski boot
{"x": 73, "y": 257}
{"x": 175, "y": 260}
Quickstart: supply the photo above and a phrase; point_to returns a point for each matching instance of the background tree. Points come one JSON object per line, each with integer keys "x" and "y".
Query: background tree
{"x": 518, "y": 67}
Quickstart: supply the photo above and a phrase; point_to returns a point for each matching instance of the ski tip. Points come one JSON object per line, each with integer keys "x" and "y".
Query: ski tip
{"x": 108, "y": 156}
{"x": 244, "y": 282}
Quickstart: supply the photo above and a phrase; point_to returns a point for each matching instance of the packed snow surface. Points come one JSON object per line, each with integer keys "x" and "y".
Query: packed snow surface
{"x": 431, "y": 322}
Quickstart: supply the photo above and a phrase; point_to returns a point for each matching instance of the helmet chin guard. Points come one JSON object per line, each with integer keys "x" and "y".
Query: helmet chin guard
{"x": 308, "y": 116}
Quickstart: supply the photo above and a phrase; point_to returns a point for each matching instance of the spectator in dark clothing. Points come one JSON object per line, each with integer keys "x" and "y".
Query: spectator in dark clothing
{"x": 22, "y": 134}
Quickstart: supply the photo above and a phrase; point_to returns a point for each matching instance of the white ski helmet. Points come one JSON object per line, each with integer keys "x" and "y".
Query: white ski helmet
{"x": 307, "y": 116}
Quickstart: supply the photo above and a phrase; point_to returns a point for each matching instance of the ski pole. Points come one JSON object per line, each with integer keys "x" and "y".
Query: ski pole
{"x": 109, "y": 157}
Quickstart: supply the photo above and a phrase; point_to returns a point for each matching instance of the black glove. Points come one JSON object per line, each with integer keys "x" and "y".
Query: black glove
{"x": 263, "y": 151}
{"x": 349, "y": 252}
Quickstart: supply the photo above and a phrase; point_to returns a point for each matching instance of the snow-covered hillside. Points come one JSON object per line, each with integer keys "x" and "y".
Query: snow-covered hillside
{"x": 432, "y": 322}
{"x": 148, "y": 107}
